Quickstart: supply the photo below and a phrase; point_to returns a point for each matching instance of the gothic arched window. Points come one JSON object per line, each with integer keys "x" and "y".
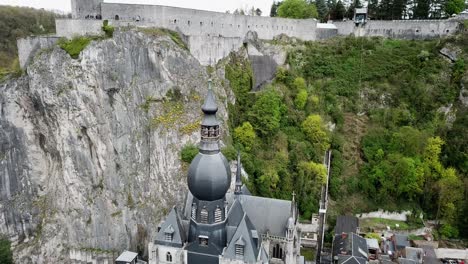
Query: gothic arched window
{"x": 204, "y": 216}
{"x": 277, "y": 251}
{"x": 168, "y": 257}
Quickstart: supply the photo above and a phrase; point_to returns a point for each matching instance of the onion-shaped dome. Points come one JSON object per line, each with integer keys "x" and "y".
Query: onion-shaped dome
{"x": 209, "y": 176}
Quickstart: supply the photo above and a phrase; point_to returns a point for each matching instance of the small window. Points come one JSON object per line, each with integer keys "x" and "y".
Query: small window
{"x": 447, "y": 31}
{"x": 218, "y": 215}
{"x": 239, "y": 250}
{"x": 194, "y": 211}
{"x": 204, "y": 216}
{"x": 212, "y": 23}
{"x": 117, "y": 17}
{"x": 188, "y": 22}
{"x": 175, "y": 21}
{"x": 168, "y": 257}
{"x": 203, "y": 241}
{"x": 201, "y": 23}
{"x": 417, "y": 30}
{"x": 238, "y": 26}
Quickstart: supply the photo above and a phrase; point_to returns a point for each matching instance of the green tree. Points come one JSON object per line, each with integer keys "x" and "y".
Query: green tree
{"x": 274, "y": 8}
{"x": 245, "y": 135}
{"x": 299, "y": 84}
{"x": 297, "y": 9}
{"x": 454, "y": 6}
{"x": 6, "y": 256}
{"x": 316, "y": 133}
{"x": 421, "y": 9}
{"x": 301, "y": 99}
{"x": 188, "y": 152}
{"x": 450, "y": 194}
{"x": 322, "y": 10}
{"x": 266, "y": 113}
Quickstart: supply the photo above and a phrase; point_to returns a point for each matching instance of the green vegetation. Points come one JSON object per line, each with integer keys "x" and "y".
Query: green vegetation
{"x": 158, "y": 32}
{"x": 6, "y": 256}
{"x": 297, "y": 9}
{"x": 392, "y": 148}
{"x": 379, "y": 224}
{"x": 19, "y": 22}
{"x": 108, "y": 29}
{"x": 308, "y": 253}
{"x": 188, "y": 153}
{"x": 74, "y": 46}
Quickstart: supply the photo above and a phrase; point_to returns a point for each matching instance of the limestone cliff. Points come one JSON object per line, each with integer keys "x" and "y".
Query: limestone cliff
{"x": 89, "y": 147}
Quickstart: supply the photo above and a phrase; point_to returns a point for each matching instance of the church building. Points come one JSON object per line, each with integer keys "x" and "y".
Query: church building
{"x": 217, "y": 226}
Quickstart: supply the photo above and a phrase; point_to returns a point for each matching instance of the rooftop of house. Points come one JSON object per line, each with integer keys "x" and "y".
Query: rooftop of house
{"x": 346, "y": 224}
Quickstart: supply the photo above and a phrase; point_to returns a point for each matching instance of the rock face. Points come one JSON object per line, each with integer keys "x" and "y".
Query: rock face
{"x": 89, "y": 147}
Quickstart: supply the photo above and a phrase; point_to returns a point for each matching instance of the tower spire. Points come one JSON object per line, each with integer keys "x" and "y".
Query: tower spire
{"x": 238, "y": 189}
{"x": 210, "y": 126}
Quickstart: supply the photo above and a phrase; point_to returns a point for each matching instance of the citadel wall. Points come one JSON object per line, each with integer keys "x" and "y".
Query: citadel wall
{"x": 400, "y": 29}
{"x": 77, "y": 27}
{"x": 85, "y": 8}
{"x": 193, "y": 22}
{"x": 29, "y": 46}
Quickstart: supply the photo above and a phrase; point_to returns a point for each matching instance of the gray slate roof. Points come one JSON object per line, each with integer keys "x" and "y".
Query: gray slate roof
{"x": 346, "y": 224}
{"x": 268, "y": 215}
{"x": 243, "y": 235}
{"x": 174, "y": 224}
{"x": 401, "y": 241}
{"x": 351, "y": 245}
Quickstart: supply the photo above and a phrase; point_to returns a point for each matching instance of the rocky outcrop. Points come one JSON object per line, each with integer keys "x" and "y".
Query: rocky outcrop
{"x": 89, "y": 148}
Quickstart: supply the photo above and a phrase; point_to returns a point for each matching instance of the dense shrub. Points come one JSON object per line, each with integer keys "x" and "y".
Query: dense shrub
{"x": 188, "y": 152}
{"x": 74, "y": 46}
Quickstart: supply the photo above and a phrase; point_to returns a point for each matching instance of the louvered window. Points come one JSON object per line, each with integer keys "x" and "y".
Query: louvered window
{"x": 204, "y": 216}
{"x": 168, "y": 237}
{"x": 194, "y": 211}
{"x": 218, "y": 215}
{"x": 239, "y": 250}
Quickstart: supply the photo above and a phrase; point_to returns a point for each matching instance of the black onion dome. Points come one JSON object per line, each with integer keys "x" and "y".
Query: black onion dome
{"x": 209, "y": 176}
{"x": 210, "y": 106}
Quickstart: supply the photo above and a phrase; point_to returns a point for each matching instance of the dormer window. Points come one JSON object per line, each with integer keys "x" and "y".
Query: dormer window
{"x": 169, "y": 233}
{"x": 203, "y": 241}
{"x": 204, "y": 216}
{"x": 218, "y": 215}
{"x": 240, "y": 245}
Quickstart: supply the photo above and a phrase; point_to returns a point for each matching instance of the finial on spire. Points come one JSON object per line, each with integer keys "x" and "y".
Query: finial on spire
{"x": 238, "y": 188}
{"x": 209, "y": 84}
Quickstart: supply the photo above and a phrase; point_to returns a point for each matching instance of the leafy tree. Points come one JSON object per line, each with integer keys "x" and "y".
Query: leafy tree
{"x": 454, "y": 6}
{"x": 337, "y": 11}
{"x": 450, "y": 193}
{"x": 274, "y": 8}
{"x": 301, "y": 99}
{"x": 297, "y": 9}
{"x": 299, "y": 84}
{"x": 421, "y": 9}
{"x": 311, "y": 176}
{"x": 266, "y": 113}
{"x": 245, "y": 135}
{"x": 315, "y": 131}
{"x": 322, "y": 10}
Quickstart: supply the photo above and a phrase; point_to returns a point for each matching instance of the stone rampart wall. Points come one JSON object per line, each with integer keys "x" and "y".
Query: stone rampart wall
{"x": 77, "y": 27}
{"x": 205, "y": 23}
{"x": 401, "y": 29}
{"x": 28, "y": 47}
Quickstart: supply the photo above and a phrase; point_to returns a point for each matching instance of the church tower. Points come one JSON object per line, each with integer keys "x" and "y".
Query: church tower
{"x": 208, "y": 179}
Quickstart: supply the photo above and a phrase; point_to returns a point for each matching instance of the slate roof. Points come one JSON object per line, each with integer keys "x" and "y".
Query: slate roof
{"x": 172, "y": 224}
{"x": 127, "y": 256}
{"x": 430, "y": 255}
{"x": 243, "y": 236}
{"x": 268, "y": 215}
{"x": 401, "y": 241}
{"x": 351, "y": 260}
{"x": 415, "y": 254}
{"x": 346, "y": 224}
{"x": 350, "y": 245}
{"x": 406, "y": 261}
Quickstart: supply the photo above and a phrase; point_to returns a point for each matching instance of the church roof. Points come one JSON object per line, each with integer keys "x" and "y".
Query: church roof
{"x": 243, "y": 237}
{"x": 268, "y": 215}
{"x": 173, "y": 226}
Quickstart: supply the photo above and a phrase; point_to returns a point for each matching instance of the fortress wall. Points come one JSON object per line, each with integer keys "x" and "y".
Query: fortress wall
{"x": 83, "y": 8}
{"x": 28, "y": 47}
{"x": 205, "y": 23}
{"x": 208, "y": 50}
{"x": 77, "y": 27}
{"x": 400, "y": 29}
{"x": 411, "y": 29}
